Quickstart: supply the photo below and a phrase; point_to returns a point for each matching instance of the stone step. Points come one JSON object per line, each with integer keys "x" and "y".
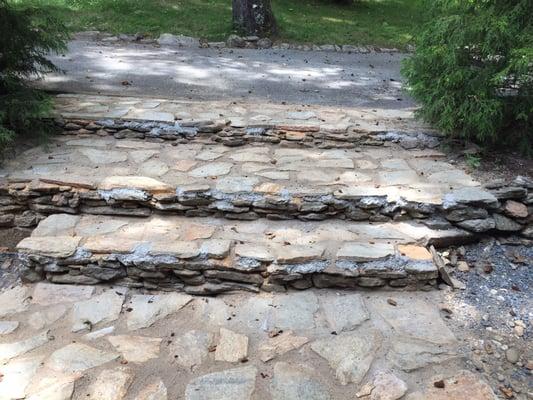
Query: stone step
{"x": 210, "y": 255}
{"x": 107, "y": 176}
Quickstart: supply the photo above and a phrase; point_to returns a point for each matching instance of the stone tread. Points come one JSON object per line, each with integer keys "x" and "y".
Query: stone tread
{"x": 102, "y": 248}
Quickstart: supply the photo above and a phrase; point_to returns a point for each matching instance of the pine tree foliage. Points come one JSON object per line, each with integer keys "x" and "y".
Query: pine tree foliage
{"x": 473, "y": 70}
{"x": 24, "y": 43}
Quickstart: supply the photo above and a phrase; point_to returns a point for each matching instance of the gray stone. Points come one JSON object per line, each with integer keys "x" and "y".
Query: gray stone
{"x": 77, "y": 357}
{"x": 7, "y": 327}
{"x": 344, "y": 313}
{"x": 191, "y": 349}
{"x": 57, "y": 225}
{"x": 349, "y": 354}
{"x": 412, "y": 355}
{"x": 469, "y": 195}
{"x": 510, "y": 192}
{"x": 13, "y": 301}
{"x": 231, "y": 384}
{"x": 296, "y": 382}
{"x": 294, "y": 311}
{"x": 100, "y": 309}
{"x": 153, "y": 391}
{"x": 365, "y": 251}
{"x": 232, "y": 346}
{"x": 104, "y": 156}
{"x": 211, "y": 170}
{"x": 167, "y": 39}
{"x": 506, "y": 224}
{"x": 264, "y": 43}
{"x": 478, "y": 225}
{"x": 38, "y": 320}
{"x": 15, "y": 349}
{"x": 46, "y": 294}
{"x": 462, "y": 214}
{"x": 17, "y": 375}
{"x": 147, "y": 309}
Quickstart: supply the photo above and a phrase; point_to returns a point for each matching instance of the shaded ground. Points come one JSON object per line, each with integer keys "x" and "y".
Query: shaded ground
{"x": 277, "y": 76}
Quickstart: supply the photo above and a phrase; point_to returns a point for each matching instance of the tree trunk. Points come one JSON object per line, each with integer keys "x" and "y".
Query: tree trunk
{"x": 254, "y": 17}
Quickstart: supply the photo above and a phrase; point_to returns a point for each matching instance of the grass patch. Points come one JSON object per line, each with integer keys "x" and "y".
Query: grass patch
{"x": 389, "y": 23}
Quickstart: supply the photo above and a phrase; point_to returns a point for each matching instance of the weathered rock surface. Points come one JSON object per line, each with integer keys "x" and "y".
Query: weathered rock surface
{"x": 147, "y": 309}
{"x": 153, "y": 391}
{"x": 349, "y": 354}
{"x": 111, "y": 384}
{"x": 231, "y": 384}
{"x": 137, "y": 349}
{"x": 15, "y": 349}
{"x": 232, "y": 346}
{"x": 191, "y": 349}
{"x": 77, "y": 357}
{"x": 13, "y": 301}
{"x": 280, "y": 344}
{"x": 296, "y": 382}
{"x": 100, "y": 309}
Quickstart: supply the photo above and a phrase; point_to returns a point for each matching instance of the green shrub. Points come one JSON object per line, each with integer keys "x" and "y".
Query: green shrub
{"x": 24, "y": 43}
{"x": 472, "y": 70}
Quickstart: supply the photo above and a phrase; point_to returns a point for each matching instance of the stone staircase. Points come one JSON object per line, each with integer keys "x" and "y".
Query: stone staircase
{"x": 208, "y": 207}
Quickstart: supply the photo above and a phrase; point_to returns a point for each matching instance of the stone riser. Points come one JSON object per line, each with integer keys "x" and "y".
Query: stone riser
{"x": 211, "y": 276}
{"x": 221, "y": 132}
{"x": 23, "y": 204}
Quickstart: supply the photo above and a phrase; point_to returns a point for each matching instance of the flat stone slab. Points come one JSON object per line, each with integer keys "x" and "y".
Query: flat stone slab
{"x": 191, "y": 349}
{"x": 231, "y": 384}
{"x": 77, "y": 357}
{"x": 234, "y": 255}
{"x": 350, "y": 355}
{"x": 100, "y": 309}
{"x": 13, "y": 301}
{"x": 47, "y": 294}
{"x": 344, "y": 313}
{"x": 111, "y": 384}
{"x": 296, "y": 382}
{"x": 232, "y": 346}
{"x": 15, "y": 349}
{"x": 17, "y": 375}
{"x": 137, "y": 349}
{"x": 147, "y": 309}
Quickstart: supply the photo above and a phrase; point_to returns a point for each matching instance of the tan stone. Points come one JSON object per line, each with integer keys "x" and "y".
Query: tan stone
{"x": 281, "y": 344}
{"x": 298, "y": 253}
{"x": 134, "y": 182}
{"x": 110, "y": 244}
{"x": 463, "y": 386}
{"x": 254, "y": 251}
{"x": 365, "y": 251}
{"x": 268, "y": 187}
{"x": 111, "y": 384}
{"x": 414, "y": 252}
{"x": 46, "y": 294}
{"x": 232, "y": 346}
{"x": 57, "y": 247}
{"x": 178, "y": 249}
{"x": 197, "y": 231}
{"x": 136, "y": 349}
{"x": 184, "y": 165}
{"x": 153, "y": 391}
{"x": 515, "y": 209}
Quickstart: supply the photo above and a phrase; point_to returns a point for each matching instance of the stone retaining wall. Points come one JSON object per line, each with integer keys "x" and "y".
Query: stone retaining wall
{"x": 221, "y": 131}
{"x": 499, "y": 209}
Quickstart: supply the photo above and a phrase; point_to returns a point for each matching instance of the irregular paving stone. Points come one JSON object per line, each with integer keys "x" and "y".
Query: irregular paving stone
{"x": 13, "y": 301}
{"x": 296, "y": 382}
{"x": 100, "y": 309}
{"x": 147, "y": 309}
{"x": 506, "y": 224}
{"x": 191, "y": 349}
{"x": 46, "y": 294}
{"x": 153, "y": 391}
{"x": 15, "y": 349}
{"x": 7, "y": 327}
{"x": 111, "y": 384}
{"x": 17, "y": 376}
{"x": 57, "y": 225}
{"x": 99, "y": 157}
{"x": 40, "y": 319}
{"x": 232, "y": 346}
{"x": 365, "y": 251}
{"x": 462, "y": 386}
{"x": 349, "y": 354}
{"x": 253, "y": 251}
{"x": 280, "y": 344}
{"x": 387, "y": 386}
{"x": 294, "y": 254}
{"x": 414, "y": 252}
{"x": 231, "y": 384}
{"x": 415, "y": 318}
{"x": 99, "y": 333}
{"x": 294, "y": 311}
{"x": 56, "y": 246}
{"x": 136, "y": 349}
{"x": 412, "y": 355}
{"x": 344, "y": 313}
{"x": 77, "y": 357}
{"x": 55, "y": 387}
{"x": 212, "y": 169}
